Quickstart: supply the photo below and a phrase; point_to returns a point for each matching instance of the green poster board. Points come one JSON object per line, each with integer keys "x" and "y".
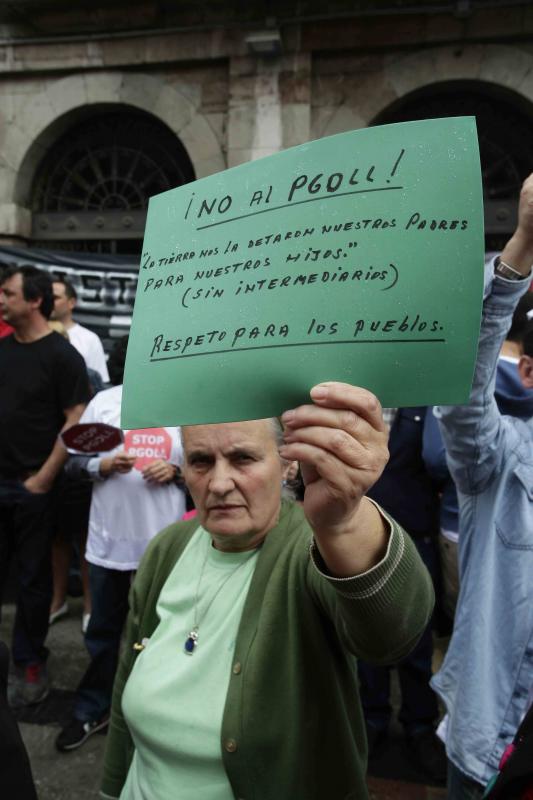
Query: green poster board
{"x": 358, "y": 257}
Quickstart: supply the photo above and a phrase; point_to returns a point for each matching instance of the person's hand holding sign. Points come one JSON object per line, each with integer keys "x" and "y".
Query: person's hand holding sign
{"x": 341, "y": 444}
{"x": 121, "y": 462}
{"x": 159, "y": 471}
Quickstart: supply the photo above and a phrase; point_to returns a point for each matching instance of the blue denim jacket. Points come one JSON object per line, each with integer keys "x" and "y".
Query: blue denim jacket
{"x": 488, "y": 670}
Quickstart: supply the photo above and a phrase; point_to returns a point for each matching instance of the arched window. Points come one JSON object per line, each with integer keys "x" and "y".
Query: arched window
{"x": 505, "y": 130}
{"x": 91, "y": 189}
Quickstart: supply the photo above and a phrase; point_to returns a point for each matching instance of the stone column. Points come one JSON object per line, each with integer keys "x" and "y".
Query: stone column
{"x": 269, "y": 105}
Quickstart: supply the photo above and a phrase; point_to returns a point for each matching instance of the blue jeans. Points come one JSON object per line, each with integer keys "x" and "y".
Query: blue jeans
{"x": 109, "y": 596}
{"x": 461, "y": 787}
{"x": 25, "y": 538}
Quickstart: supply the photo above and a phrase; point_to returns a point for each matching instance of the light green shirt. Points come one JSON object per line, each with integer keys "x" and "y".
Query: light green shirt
{"x": 173, "y": 702}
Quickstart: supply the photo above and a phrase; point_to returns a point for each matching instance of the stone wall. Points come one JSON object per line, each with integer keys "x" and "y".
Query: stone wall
{"x": 227, "y": 106}
{"x": 350, "y": 92}
{"x": 36, "y": 110}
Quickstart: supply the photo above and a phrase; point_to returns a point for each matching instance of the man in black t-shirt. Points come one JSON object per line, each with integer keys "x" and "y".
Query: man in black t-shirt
{"x": 43, "y": 389}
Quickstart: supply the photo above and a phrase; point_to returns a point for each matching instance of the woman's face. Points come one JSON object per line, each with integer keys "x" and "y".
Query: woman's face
{"x": 234, "y": 475}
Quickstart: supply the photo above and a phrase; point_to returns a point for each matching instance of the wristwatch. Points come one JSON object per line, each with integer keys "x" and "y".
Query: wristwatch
{"x": 505, "y": 271}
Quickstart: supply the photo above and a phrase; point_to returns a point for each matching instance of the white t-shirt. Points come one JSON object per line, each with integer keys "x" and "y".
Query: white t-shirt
{"x": 127, "y": 511}
{"x": 90, "y": 347}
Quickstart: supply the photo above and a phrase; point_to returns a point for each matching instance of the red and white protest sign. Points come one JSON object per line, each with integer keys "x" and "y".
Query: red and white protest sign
{"x": 149, "y": 444}
{"x": 92, "y": 437}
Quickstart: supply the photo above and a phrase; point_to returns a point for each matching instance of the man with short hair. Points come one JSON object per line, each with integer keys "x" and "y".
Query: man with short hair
{"x": 43, "y": 389}
{"x": 84, "y": 340}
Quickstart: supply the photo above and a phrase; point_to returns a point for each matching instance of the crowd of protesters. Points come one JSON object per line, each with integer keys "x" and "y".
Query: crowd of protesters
{"x": 458, "y": 481}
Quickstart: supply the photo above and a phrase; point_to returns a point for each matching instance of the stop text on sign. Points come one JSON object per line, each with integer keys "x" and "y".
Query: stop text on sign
{"x": 148, "y": 446}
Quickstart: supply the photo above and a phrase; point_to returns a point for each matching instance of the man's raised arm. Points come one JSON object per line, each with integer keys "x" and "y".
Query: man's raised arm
{"x": 473, "y": 433}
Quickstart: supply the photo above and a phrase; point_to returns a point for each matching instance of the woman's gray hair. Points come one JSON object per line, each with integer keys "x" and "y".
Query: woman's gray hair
{"x": 275, "y": 425}
{"x": 277, "y": 429}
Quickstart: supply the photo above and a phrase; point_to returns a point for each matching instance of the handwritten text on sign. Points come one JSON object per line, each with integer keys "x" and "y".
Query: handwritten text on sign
{"x": 357, "y": 258}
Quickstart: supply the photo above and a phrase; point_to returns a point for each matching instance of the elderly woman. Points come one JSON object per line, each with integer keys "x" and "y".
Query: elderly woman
{"x": 238, "y": 679}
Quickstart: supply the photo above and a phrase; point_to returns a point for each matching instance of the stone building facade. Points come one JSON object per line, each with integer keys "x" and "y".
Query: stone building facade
{"x": 103, "y": 104}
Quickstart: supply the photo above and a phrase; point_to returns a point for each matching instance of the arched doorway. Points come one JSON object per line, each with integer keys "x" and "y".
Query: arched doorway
{"x": 505, "y": 129}
{"x": 91, "y": 189}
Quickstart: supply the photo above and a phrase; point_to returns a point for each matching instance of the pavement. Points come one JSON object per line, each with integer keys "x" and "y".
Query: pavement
{"x": 76, "y": 775}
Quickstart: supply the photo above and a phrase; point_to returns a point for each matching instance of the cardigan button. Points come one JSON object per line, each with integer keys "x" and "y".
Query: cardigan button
{"x": 230, "y": 745}
{"x": 237, "y": 668}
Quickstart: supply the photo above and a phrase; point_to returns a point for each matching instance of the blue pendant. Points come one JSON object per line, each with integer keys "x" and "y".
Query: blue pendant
{"x": 191, "y": 642}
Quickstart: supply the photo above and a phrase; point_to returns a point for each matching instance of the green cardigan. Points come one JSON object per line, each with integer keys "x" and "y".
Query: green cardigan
{"x": 293, "y": 727}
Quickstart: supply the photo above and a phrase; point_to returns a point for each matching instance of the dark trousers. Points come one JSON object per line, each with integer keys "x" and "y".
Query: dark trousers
{"x": 419, "y": 707}
{"x": 109, "y": 594}
{"x": 15, "y": 770}
{"x": 25, "y": 536}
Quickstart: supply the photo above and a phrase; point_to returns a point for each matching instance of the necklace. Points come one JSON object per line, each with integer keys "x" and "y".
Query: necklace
{"x": 191, "y": 641}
